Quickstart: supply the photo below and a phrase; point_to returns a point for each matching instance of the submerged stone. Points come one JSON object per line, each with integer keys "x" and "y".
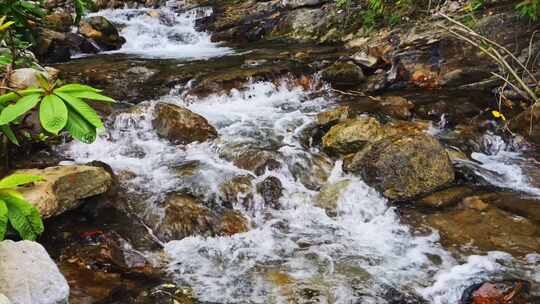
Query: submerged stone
{"x": 329, "y": 196}
{"x": 271, "y": 191}
{"x": 184, "y": 216}
{"x": 487, "y": 228}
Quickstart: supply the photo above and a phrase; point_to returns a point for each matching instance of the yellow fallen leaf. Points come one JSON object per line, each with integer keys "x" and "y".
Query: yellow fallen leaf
{"x": 498, "y": 114}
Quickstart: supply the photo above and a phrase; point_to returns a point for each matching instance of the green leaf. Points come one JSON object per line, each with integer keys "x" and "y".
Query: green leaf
{"x": 81, "y": 7}
{"x": 82, "y": 108}
{"x": 92, "y": 96}
{"x": 53, "y": 114}
{"x": 80, "y": 129}
{"x": 43, "y": 81}
{"x": 4, "y": 26}
{"x": 24, "y": 217}
{"x": 76, "y": 87}
{"x": 23, "y": 105}
{"x": 4, "y": 218}
{"x": 5, "y": 59}
{"x": 18, "y": 179}
{"x": 9, "y": 134}
{"x": 16, "y": 95}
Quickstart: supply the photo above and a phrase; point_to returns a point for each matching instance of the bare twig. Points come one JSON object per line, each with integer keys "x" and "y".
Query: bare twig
{"x": 529, "y": 54}
{"x": 462, "y": 27}
{"x": 355, "y": 93}
{"x": 462, "y": 31}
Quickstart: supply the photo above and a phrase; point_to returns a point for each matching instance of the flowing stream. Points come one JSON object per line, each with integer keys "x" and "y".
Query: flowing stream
{"x": 365, "y": 254}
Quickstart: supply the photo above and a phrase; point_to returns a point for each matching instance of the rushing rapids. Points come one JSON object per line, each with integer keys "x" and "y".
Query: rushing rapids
{"x": 364, "y": 254}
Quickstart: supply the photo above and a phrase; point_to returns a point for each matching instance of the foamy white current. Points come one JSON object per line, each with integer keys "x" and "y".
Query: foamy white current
{"x": 504, "y": 166}
{"x": 163, "y": 33}
{"x": 359, "y": 256}
{"x": 352, "y": 258}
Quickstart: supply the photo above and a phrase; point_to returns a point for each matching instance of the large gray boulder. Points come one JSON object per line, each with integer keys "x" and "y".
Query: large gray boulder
{"x": 29, "y": 276}
{"x": 403, "y": 166}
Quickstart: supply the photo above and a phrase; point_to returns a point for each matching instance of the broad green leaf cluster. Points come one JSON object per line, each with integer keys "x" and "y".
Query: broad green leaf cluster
{"x": 15, "y": 211}
{"x": 529, "y": 8}
{"x": 60, "y": 108}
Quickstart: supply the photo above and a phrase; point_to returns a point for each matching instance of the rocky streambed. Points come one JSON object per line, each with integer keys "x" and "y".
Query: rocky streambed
{"x": 268, "y": 173}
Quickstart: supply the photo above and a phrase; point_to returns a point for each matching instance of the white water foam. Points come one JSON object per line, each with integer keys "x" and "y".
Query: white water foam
{"x": 163, "y": 33}
{"x": 502, "y": 166}
{"x": 355, "y": 257}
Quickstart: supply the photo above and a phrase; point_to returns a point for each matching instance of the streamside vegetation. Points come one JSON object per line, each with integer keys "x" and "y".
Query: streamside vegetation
{"x": 59, "y": 106}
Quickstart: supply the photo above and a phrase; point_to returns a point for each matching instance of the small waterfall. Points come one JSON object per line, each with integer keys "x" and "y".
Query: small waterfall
{"x": 351, "y": 258}
{"x": 501, "y": 165}
{"x": 354, "y": 257}
{"x": 163, "y": 33}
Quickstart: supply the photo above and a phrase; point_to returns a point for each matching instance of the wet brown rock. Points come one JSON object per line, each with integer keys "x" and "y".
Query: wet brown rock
{"x": 184, "y": 216}
{"x": 351, "y": 135}
{"x": 522, "y": 124}
{"x": 486, "y": 228}
{"x": 271, "y": 191}
{"x": 515, "y": 203}
{"x": 343, "y": 74}
{"x": 363, "y": 58}
{"x": 475, "y": 202}
{"x": 231, "y": 222}
{"x": 96, "y": 264}
{"x": 180, "y": 125}
{"x": 58, "y": 21}
{"x": 52, "y": 45}
{"x": 238, "y": 191}
{"x": 333, "y": 116}
{"x": 445, "y": 198}
{"x": 403, "y": 166}
{"x": 397, "y": 107}
{"x": 64, "y": 187}
{"x": 258, "y": 161}
{"x": 103, "y": 32}
{"x": 498, "y": 292}
{"x": 401, "y": 127}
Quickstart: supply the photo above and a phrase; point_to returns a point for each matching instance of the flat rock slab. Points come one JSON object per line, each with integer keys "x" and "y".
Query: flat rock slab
{"x": 29, "y": 276}
{"x": 64, "y": 186}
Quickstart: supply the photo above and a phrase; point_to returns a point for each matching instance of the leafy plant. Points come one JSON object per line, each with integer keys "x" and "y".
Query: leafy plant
{"x": 529, "y": 8}
{"x": 59, "y": 108}
{"x": 5, "y": 58}
{"x": 15, "y": 211}
{"x": 81, "y": 7}
{"x": 24, "y": 15}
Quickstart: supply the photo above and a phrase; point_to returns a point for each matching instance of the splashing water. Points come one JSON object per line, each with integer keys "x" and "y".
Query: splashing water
{"x": 297, "y": 253}
{"x": 355, "y": 257}
{"x": 502, "y": 166}
{"x": 163, "y": 33}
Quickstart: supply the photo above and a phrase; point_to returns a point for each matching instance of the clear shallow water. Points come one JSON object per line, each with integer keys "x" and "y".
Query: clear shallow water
{"x": 298, "y": 251}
